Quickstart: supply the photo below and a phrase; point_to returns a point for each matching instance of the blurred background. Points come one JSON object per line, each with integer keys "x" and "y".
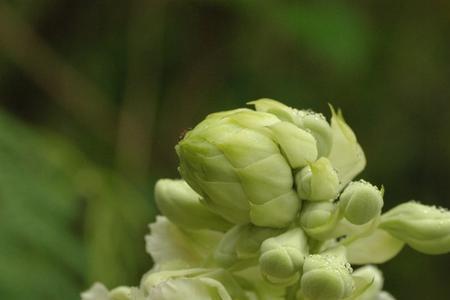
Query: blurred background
{"x": 94, "y": 95}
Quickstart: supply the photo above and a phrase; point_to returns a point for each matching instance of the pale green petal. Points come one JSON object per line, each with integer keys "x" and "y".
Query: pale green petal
{"x": 376, "y": 248}
{"x": 97, "y": 292}
{"x": 246, "y": 147}
{"x": 283, "y": 112}
{"x": 314, "y": 123}
{"x": 424, "y": 228}
{"x": 278, "y": 212}
{"x": 227, "y": 199}
{"x": 126, "y": 293}
{"x": 368, "y": 283}
{"x": 172, "y": 248}
{"x": 318, "y": 126}
{"x": 181, "y": 205}
{"x": 266, "y": 179}
{"x": 298, "y": 145}
{"x": 346, "y": 155}
{"x": 318, "y": 181}
{"x": 257, "y": 287}
{"x": 254, "y": 120}
{"x": 213, "y": 283}
{"x": 189, "y": 288}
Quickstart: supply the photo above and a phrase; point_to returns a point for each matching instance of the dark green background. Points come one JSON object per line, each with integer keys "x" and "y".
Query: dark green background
{"x": 94, "y": 95}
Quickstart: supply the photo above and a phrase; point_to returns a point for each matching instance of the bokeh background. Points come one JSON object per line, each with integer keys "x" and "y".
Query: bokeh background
{"x": 94, "y": 95}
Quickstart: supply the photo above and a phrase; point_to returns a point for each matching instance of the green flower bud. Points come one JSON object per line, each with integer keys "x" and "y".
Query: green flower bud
{"x": 314, "y": 123}
{"x": 241, "y": 163}
{"x": 346, "y": 154}
{"x": 319, "y": 219}
{"x": 327, "y": 276}
{"x": 182, "y": 206}
{"x": 241, "y": 242}
{"x": 282, "y": 256}
{"x": 318, "y": 181}
{"x": 424, "y": 228}
{"x": 361, "y": 202}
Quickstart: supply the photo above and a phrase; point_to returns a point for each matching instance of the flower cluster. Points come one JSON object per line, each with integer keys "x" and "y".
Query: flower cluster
{"x": 267, "y": 209}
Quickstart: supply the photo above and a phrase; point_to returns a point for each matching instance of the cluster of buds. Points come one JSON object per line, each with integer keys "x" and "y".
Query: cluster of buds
{"x": 267, "y": 210}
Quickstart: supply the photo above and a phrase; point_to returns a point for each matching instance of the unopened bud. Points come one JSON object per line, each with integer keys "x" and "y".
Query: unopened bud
{"x": 318, "y": 181}
{"x": 182, "y": 206}
{"x": 424, "y": 228}
{"x": 326, "y": 276}
{"x": 319, "y": 219}
{"x": 361, "y": 202}
{"x": 282, "y": 256}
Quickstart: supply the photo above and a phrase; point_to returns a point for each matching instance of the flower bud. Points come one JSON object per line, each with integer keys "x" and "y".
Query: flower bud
{"x": 314, "y": 123}
{"x": 360, "y": 202}
{"x": 241, "y": 242}
{"x": 241, "y": 163}
{"x": 291, "y": 139}
{"x": 282, "y": 256}
{"x": 327, "y": 276}
{"x": 424, "y": 228}
{"x": 318, "y": 181}
{"x": 182, "y": 206}
{"x": 319, "y": 219}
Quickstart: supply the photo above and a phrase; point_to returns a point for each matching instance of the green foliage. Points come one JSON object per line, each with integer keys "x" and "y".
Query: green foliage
{"x": 48, "y": 248}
